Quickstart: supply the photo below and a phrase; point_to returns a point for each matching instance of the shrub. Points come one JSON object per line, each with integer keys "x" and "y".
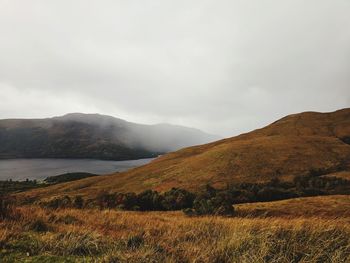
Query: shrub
{"x": 56, "y": 203}
{"x": 189, "y": 212}
{"x": 37, "y": 225}
{"x": 177, "y": 199}
{"x": 272, "y": 193}
{"x": 311, "y": 192}
{"x": 149, "y": 201}
{"x": 212, "y": 202}
{"x": 127, "y": 201}
{"x": 316, "y": 172}
{"x": 224, "y": 210}
{"x": 346, "y": 139}
{"x": 134, "y": 242}
{"x": 209, "y": 207}
{"x": 7, "y": 209}
{"x": 106, "y": 200}
{"x": 78, "y": 202}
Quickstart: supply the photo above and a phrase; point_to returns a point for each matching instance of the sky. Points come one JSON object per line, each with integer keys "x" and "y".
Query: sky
{"x": 225, "y": 67}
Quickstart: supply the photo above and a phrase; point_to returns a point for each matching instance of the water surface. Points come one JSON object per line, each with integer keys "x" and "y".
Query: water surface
{"x": 22, "y": 169}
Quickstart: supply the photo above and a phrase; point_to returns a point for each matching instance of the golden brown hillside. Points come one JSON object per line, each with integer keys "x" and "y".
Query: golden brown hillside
{"x": 334, "y": 206}
{"x": 292, "y": 146}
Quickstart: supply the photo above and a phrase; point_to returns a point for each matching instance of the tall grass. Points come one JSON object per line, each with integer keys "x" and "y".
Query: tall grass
{"x": 112, "y": 236}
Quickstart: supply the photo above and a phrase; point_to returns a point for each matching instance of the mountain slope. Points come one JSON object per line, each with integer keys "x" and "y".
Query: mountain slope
{"x": 92, "y": 136}
{"x": 295, "y": 145}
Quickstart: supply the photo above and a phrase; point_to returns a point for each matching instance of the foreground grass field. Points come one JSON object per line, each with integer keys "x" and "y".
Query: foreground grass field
{"x": 70, "y": 235}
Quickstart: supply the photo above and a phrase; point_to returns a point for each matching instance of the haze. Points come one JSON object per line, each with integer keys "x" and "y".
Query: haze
{"x": 225, "y": 67}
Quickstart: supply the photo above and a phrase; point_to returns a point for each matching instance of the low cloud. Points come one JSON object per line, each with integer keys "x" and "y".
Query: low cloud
{"x": 222, "y": 66}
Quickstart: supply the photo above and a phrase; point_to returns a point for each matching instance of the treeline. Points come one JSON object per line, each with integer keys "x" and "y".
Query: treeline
{"x": 10, "y": 186}
{"x": 7, "y": 207}
{"x": 302, "y": 186}
{"x": 210, "y": 201}
{"x": 67, "y": 177}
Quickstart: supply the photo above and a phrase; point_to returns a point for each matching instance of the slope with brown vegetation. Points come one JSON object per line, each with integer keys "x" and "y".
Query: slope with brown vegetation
{"x": 335, "y": 206}
{"x": 89, "y": 235}
{"x": 292, "y": 146}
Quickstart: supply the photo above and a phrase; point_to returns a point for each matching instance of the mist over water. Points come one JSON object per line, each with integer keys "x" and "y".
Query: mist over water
{"x": 22, "y": 169}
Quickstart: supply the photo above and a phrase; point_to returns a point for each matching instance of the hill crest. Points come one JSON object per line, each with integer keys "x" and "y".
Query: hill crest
{"x": 292, "y": 146}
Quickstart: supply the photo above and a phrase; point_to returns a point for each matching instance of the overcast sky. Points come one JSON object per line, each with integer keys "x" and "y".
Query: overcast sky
{"x": 225, "y": 67}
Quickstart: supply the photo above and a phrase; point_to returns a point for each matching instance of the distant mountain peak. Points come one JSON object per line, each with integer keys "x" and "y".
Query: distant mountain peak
{"x": 88, "y": 117}
{"x": 92, "y": 135}
{"x": 293, "y": 146}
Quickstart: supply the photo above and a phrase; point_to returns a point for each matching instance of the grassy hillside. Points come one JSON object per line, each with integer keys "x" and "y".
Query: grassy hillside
{"x": 293, "y": 146}
{"x": 69, "y": 235}
{"x": 319, "y": 206}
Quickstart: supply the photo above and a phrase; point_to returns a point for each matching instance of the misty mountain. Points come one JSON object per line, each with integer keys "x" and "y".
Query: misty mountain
{"x": 78, "y": 135}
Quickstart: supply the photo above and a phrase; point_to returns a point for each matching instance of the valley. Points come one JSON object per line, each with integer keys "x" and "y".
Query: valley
{"x": 277, "y": 194}
{"x": 297, "y": 145}
{"x": 174, "y": 131}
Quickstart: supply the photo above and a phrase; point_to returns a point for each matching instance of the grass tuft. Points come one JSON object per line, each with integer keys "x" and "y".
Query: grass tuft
{"x": 135, "y": 242}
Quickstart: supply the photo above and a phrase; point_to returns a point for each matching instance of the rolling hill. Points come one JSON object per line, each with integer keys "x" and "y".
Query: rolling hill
{"x": 92, "y": 136}
{"x": 292, "y": 146}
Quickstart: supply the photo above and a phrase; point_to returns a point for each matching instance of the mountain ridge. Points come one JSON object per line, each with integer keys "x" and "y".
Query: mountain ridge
{"x": 95, "y": 136}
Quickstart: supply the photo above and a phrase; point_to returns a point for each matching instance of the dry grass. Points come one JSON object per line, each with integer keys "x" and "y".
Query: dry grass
{"x": 333, "y": 206}
{"x": 114, "y": 236}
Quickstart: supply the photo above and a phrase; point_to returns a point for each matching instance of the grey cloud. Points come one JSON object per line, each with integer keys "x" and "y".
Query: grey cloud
{"x": 222, "y": 66}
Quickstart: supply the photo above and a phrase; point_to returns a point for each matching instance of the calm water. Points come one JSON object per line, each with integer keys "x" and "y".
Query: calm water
{"x": 21, "y": 169}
